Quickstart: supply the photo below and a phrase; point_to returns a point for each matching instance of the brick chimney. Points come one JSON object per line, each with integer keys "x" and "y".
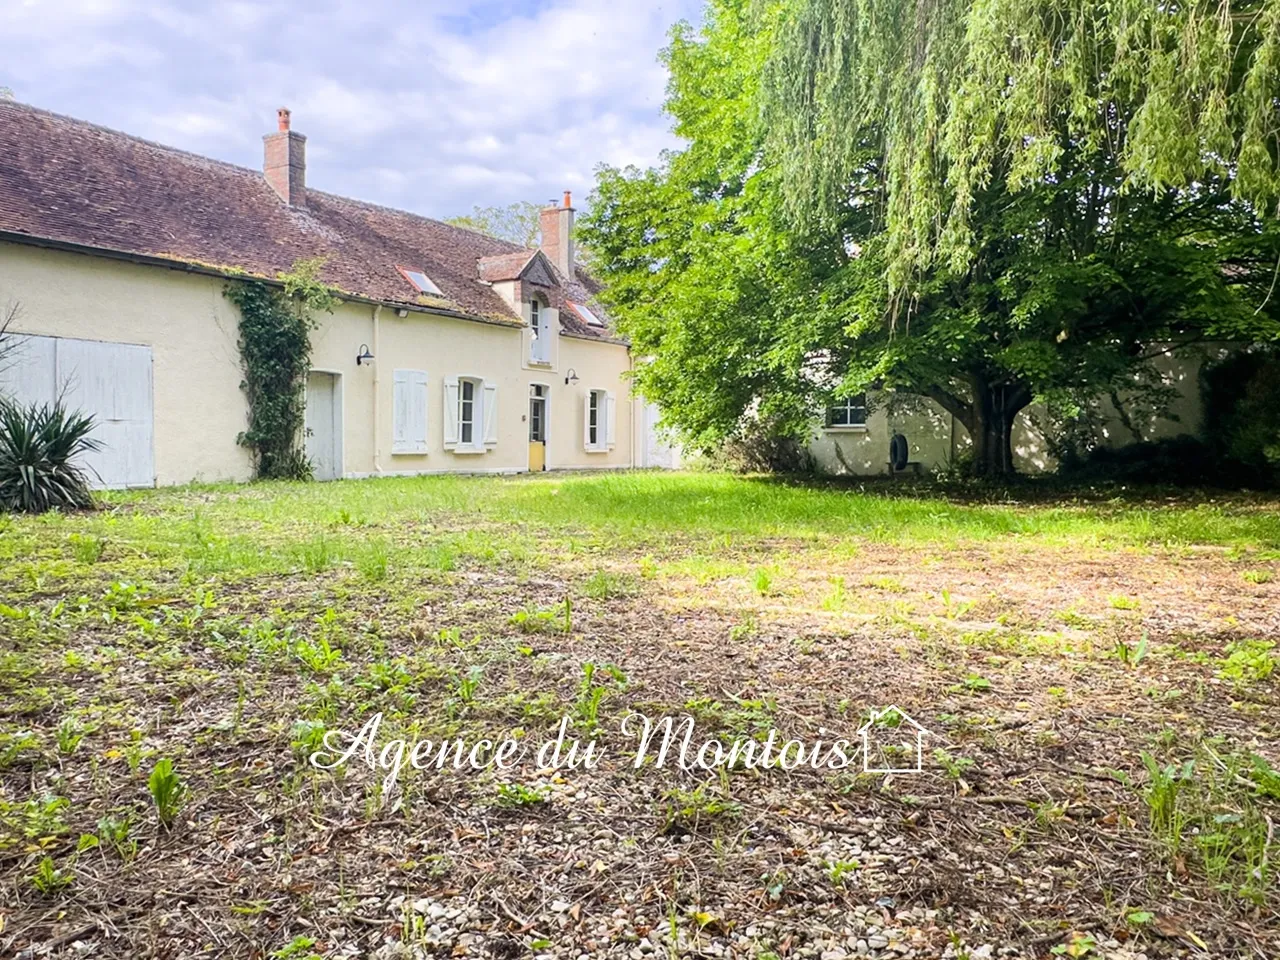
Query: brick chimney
{"x": 285, "y": 162}
{"x": 557, "y": 235}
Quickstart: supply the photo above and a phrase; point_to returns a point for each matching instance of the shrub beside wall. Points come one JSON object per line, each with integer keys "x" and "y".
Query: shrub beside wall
{"x": 1242, "y": 413}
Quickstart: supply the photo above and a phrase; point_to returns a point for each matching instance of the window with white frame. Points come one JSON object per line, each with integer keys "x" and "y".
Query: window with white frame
{"x": 594, "y": 402}
{"x": 467, "y": 412}
{"x": 598, "y": 421}
{"x": 409, "y": 412}
{"x": 848, "y": 411}
{"x": 540, "y": 334}
{"x": 471, "y": 414}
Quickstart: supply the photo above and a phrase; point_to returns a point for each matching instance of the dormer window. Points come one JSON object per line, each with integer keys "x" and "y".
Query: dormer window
{"x": 586, "y": 314}
{"x": 421, "y": 282}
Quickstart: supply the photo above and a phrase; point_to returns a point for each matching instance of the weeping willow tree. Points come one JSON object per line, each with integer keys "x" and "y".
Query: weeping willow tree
{"x": 1056, "y": 190}
{"x": 962, "y": 94}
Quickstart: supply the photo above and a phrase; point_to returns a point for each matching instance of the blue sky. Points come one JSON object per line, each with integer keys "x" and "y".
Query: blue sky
{"x": 430, "y": 106}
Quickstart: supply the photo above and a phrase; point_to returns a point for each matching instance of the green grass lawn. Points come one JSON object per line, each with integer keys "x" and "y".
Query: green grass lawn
{"x": 1097, "y": 677}
{"x": 269, "y": 527}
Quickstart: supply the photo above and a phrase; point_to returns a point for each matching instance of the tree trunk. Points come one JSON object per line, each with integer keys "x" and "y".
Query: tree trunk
{"x": 993, "y": 448}
{"x": 994, "y": 409}
{"x": 989, "y": 419}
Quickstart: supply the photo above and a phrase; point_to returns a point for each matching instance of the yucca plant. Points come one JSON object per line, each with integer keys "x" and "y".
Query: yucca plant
{"x": 38, "y": 444}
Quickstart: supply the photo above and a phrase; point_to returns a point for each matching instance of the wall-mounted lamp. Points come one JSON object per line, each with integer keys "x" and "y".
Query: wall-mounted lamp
{"x": 364, "y": 356}
{"x": 571, "y": 377}
{"x": 402, "y": 313}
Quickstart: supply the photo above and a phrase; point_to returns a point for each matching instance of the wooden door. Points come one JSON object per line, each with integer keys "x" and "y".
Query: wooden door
{"x": 323, "y": 425}
{"x": 109, "y": 381}
{"x": 537, "y": 428}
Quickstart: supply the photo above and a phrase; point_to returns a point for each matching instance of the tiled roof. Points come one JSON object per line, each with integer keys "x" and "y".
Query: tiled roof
{"x": 73, "y": 182}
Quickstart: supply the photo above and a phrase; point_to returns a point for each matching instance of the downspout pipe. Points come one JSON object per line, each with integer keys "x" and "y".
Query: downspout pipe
{"x": 377, "y": 391}
{"x": 637, "y": 415}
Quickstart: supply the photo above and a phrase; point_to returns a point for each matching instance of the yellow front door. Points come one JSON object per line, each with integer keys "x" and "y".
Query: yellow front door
{"x": 537, "y": 427}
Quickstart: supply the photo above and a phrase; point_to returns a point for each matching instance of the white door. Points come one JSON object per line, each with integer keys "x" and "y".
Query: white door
{"x": 657, "y": 449}
{"x": 111, "y": 382}
{"x": 324, "y": 425}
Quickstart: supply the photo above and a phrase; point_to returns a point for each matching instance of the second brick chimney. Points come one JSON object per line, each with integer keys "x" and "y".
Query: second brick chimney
{"x": 556, "y": 224}
{"x": 285, "y": 162}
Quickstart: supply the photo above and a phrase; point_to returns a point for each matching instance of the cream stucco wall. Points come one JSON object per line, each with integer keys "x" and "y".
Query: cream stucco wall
{"x": 1179, "y": 372}
{"x": 184, "y": 318}
{"x": 599, "y": 366}
{"x": 936, "y": 438}
{"x": 864, "y": 451}
{"x": 440, "y": 346}
{"x": 199, "y": 407}
{"x": 445, "y": 347}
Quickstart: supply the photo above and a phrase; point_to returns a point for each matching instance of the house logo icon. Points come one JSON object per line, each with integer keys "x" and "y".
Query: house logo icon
{"x": 892, "y": 742}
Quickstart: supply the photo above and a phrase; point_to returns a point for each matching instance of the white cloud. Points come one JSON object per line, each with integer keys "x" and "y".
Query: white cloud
{"x": 434, "y": 106}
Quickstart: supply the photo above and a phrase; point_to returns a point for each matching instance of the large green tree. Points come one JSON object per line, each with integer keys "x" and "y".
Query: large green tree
{"x": 871, "y": 214}
{"x": 1066, "y": 187}
{"x": 962, "y": 94}
{"x": 1072, "y": 292}
{"x": 700, "y": 272}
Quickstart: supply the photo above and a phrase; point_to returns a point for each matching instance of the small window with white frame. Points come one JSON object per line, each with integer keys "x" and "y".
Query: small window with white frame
{"x": 598, "y": 420}
{"x": 467, "y": 412}
{"x": 540, "y": 334}
{"x": 848, "y": 412}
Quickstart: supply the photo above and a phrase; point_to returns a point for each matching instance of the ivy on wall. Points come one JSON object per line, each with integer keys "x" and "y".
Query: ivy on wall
{"x": 275, "y": 352}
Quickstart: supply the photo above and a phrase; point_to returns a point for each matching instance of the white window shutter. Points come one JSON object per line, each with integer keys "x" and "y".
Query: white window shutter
{"x": 609, "y": 421}
{"x": 400, "y": 411}
{"x": 418, "y": 411}
{"x": 551, "y": 328}
{"x": 586, "y": 421}
{"x": 489, "y": 409}
{"x": 451, "y": 412}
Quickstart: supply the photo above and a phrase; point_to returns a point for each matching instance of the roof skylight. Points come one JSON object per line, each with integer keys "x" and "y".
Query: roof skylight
{"x": 421, "y": 281}
{"x": 586, "y": 314}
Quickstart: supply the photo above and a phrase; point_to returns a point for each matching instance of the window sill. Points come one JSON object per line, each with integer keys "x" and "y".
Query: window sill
{"x": 535, "y": 362}
{"x": 468, "y": 451}
{"x": 409, "y": 453}
{"x": 847, "y": 428}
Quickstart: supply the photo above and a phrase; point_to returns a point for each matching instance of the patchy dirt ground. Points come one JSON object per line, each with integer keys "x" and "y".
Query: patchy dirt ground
{"x": 1043, "y": 672}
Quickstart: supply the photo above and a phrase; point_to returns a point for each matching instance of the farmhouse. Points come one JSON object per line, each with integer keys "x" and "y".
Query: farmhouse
{"x": 449, "y": 351}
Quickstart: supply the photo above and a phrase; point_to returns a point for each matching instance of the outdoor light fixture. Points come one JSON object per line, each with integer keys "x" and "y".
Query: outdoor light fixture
{"x": 364, "y": 356}
{"x": 571, "y": 377}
